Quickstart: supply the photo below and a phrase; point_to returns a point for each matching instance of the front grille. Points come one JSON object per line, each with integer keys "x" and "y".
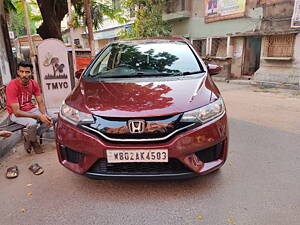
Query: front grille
{"x": 156, "y": 128}
{"x": 174, "y": 166}
{"x": 70, "y": 155}
{"x": 211, "y": 154}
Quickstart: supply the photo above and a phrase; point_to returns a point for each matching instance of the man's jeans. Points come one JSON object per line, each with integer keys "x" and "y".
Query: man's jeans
{"x": 32, "y": 127}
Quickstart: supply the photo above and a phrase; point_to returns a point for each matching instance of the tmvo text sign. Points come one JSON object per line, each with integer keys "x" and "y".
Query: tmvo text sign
{"x": 54, "y": 72}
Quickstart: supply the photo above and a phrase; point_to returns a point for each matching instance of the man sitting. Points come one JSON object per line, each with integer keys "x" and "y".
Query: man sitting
{"x": 21, "y": 110}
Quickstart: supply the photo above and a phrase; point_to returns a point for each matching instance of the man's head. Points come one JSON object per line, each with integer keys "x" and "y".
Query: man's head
{"x": 24, "y": 72}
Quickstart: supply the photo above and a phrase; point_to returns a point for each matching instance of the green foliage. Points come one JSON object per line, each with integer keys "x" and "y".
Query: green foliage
{"x": 148, "y": 21}
{"x": 98, "y": 11}
{"x": 17, "y": 17}
{"x": 9, "y": 6}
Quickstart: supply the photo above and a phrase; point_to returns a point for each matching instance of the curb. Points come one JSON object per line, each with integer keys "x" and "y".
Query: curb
{"x": 265, "y": 84}
{"x": 7, "y": 144}
{"x": 275, "y": 85}
{"x": 223, "y": 79}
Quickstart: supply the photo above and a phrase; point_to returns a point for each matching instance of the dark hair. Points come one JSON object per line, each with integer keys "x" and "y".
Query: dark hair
{"x": 25, "y": 64}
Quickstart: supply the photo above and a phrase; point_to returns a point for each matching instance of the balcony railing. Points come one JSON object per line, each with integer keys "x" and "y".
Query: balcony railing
{"x": 177, "y": 9}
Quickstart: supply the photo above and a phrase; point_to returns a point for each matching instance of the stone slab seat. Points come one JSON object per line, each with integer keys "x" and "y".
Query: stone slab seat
{"x": 11, "y": 126}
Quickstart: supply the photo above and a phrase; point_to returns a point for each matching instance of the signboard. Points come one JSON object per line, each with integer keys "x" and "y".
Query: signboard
{"x": 296, "y": 15}
{"x": 106, "y": 34}
{"x": 224, "y": 9}
{"x": 54, "y": 72}
{"x": 11, "y": 35}
{"x": 83, "y": 62}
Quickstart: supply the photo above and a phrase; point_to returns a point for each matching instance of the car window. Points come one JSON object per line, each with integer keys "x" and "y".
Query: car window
{"x": 149, "y": 58}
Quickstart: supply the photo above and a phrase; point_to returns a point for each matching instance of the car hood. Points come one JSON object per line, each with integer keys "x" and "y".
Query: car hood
{"x": 143, "y": 98}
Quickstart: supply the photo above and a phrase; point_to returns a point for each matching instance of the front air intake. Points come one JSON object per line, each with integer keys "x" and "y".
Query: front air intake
{"x": 70, "y": 155}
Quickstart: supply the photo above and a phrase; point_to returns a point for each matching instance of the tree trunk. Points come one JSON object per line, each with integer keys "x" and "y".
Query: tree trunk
{"x": 53, "y": 13}
{"x": 87, "y": 9}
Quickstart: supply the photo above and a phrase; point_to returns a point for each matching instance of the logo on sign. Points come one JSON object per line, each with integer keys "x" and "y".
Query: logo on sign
{"x": 136, "y": 126}
{"x": 57, "y": 73}
{"x": 58, "y": 68}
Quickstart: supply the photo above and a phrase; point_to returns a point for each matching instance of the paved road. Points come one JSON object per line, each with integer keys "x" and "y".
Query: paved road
{"x": 259, "y": 184}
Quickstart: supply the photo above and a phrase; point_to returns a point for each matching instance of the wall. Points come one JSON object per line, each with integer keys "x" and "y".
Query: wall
{"x": 195, "y": 27}
{"x": 277, "y": 17}
{"x": 102, "y": 43}
{"x": 277, "y": 14}
{"x": 198, "y": 8}
{"x": 280, "y": 71}
{"x": 5, "y": 74}
{"x": 238, "y": 53}
{"x": 77, "y": 34}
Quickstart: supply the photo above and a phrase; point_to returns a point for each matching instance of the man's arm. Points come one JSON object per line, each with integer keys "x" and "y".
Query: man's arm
{"x": 41, "y": 104}
{"x": 42, "y": 108}
{"x": 19, "y": 113}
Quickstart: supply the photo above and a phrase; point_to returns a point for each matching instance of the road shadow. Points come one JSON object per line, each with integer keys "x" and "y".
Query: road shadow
{"x": 139, "y": 190}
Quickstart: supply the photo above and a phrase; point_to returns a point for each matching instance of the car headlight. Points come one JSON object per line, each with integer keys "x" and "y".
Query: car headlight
{"x": 75, "y": 116}
{"x": 204, "y": 113}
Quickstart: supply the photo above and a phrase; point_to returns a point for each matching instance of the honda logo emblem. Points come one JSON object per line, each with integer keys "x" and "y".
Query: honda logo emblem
{"x": 136, "y": 126}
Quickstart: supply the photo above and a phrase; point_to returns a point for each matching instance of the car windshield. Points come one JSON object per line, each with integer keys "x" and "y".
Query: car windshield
{"x": 145, "y": 59}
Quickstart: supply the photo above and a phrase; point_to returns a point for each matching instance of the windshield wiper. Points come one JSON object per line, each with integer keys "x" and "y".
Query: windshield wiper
{"x": 181, "y": 73}
{"x": 132, "y": 75}
{"x": 115, "y": 76}
{"x": 142, "y": 74}
{"x": 187, "y": 73}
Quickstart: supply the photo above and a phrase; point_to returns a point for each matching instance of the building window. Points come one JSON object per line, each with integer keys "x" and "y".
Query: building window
{"x": 279, "y": 45}
{"x": 201, "y": 46}
{"x": 173, "y": 6}
{"x": 76, "y": 41}
{"x": 219, "y": 47}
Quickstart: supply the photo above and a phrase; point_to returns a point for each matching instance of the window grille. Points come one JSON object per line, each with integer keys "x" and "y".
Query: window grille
{"x": 201, "y": 46}
{"x": 219, "y": 47}
{"x": 279, "y": 45}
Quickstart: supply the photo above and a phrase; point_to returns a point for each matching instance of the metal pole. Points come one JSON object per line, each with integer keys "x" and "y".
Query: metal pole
{"x": 27, "y": 25}
{"x": 31, "y": 46}
{"x": 71, "y": 34}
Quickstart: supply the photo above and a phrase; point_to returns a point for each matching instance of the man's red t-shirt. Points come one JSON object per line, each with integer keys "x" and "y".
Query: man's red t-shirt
{"x": 18, "y": 93}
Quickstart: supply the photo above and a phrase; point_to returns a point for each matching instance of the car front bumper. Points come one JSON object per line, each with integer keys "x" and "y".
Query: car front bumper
{"x": 197, "y": 151}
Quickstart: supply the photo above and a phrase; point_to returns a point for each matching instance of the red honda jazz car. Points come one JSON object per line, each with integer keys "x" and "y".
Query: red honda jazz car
{"x": 144, "y": 109}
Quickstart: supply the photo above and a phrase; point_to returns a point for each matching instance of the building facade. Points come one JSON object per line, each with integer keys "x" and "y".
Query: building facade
{"x": 254, "y": 36}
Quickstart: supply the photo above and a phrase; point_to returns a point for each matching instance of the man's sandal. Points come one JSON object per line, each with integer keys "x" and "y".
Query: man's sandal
{"x": 36, "y": 169}
{"x": 12, "y": 172}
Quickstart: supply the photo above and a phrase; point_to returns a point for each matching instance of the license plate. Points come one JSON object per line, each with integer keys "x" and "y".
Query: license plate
{"x": 138, "y": 155}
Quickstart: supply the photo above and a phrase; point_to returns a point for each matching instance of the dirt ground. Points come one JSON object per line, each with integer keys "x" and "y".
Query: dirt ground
{"x": 271, "y": 107}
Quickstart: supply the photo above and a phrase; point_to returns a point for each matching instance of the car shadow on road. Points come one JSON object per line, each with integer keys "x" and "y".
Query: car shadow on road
{"x": 140, "y": 190}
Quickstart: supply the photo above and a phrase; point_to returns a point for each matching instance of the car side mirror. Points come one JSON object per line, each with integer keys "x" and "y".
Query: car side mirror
{"x": 213, "y": 69}
{"x": 78, "y": 73}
